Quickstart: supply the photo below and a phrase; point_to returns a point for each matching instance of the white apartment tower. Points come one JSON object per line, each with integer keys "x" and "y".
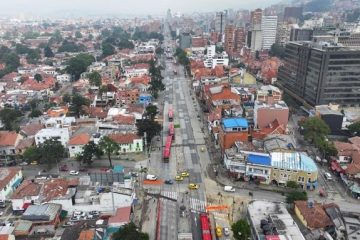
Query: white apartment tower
{"x": 268, "y": 29}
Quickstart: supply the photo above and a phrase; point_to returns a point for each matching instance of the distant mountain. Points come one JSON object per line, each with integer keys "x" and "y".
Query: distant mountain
{"x": 317, "y": 6}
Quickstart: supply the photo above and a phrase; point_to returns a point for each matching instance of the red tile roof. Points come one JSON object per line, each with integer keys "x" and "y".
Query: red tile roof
{"x": 32, "y": 128}
{"x": 316, "y": 217}
{"x": 141, "y": 79}
{"x": 122, "y": 215}
{"x": 124, "y": 120}
{"x": 87, "y": 234}
{"x": 27, "y": 188}
{"x": 225, "y": 94}
{"x": 80, "y": 139}
{"x": 8, "y": 138}
{"x": 355, "y": 140}
{"x": 343, "y": 148}
{"x": 124, "y": 138}
{"x": 6, "y": 174}
{"x": 354, "y": 167}
{"x": 54, "y": 188}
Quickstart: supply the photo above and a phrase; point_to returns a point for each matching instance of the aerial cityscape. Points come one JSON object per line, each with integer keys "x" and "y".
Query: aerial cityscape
{"x": 184, "y": 120}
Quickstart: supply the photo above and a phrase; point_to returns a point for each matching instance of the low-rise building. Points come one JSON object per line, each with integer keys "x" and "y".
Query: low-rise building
{"x": 293, "y": 166}
{"x": 232, "y": 130}
{"x": 312, "y": 215}
{"x": 63, "y": 78}
{"x": 77, "y": 143}
{"x": 8, "y": 142}
{"x": 272, "y": 218}
{"x": 258, "y": 167}
{"x": 121, "y": 217}
{"x": 129, "y": 142}
{"x": 60, "y": 134}
{"x": 48, "y": 213}
{"x": 10, "y": 179}
{"x": 266, "y": 113}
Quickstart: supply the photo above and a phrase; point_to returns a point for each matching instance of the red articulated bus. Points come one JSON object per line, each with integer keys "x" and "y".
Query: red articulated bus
{"x": 167, "y": 149}
{"x": 170, "y": 114}
{"x": 172, "y": 131}
{"x": 205, "y": 227}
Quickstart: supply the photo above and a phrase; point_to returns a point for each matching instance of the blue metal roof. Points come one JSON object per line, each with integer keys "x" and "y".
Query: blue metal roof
{"x": 235, "y": 122}
{"x": 259, "y": 159}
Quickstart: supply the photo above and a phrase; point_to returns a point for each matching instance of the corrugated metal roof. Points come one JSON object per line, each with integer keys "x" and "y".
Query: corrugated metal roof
{"x": 293, "y": 161}
{"x": 235, "y": 122}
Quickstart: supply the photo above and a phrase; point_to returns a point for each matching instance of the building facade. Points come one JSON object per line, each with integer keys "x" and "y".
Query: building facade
{"x": 321, "y": 74}
{"x": 268, "y": 31}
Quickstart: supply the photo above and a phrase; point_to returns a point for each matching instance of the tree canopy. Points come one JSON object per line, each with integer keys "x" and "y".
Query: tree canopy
{"x": 295, "y": 196}
{"x": 77, "y": 104}
{"x": 241, "y": 230}
{"x": 38, "y": 77}
{"x": 151, "y": 111}
{"x": 182, "y": 57}
{"x": 90, "y": 151}
{"x": 354, "y": 128}
{"x": 77, "y": 65}
{"x": 48, "y": 52}
{"x": 107, "y": 49}
{"x": 95, "y": 78}
{"x": 149, "y": 126}
{"x": 146, "y": 36}
{"x": 10, "y": 118}
{"x": 71, "y": 47}
{"x": 129, "y": 232}
{"x": 109, "y": 147}
{"x": 50, "y": 152}
{"x": 315, "y": 129}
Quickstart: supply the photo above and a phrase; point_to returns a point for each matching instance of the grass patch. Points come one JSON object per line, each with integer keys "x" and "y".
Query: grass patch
{"x": 177, "y": 125}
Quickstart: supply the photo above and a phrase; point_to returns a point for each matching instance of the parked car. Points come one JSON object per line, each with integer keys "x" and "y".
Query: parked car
{"x": 34, "y": 163}
{"x": 73, "y": 172}
{"x": 179, "y": 178}
{"x": 64, "y": 168}
{"x": 83, "y": 169}
{"x": 328, "y": 176}
{"x": 151, "y": 177}
{"x": 68, "y": 224}
{"x": 23, "y": 164}
{"x": 229, "y": 189}
{"x": 185, "y": 174}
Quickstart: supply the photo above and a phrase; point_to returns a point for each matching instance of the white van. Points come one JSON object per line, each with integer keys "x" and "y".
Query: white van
{"x": 151, "y": 177}
{"x": 327, "y": 176}
{"x": 229, "y": 189}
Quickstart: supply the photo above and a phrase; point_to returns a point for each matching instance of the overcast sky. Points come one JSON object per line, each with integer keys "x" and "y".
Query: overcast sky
{"x": 90, "y": 7}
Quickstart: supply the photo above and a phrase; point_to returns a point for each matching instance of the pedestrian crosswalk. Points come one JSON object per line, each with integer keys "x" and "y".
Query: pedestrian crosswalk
{"x": 197, "y": 205}
{"x": 170, "y": 194}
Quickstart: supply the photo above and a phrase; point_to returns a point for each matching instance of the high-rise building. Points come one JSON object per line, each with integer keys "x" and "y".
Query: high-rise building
{"x": 268, "y": 31}
{"x": 220, "y": 22}
{"x": 185, "y": 40}
{"x": 301, "y": 34}
{"x": 254, "y": 38}
{"x": 229, "y": 38}
{"x": 239, "y": 39}
{"x": 293, "y": 14}
{"x": 255, "y": 17}
{"x": 321, "y": 73}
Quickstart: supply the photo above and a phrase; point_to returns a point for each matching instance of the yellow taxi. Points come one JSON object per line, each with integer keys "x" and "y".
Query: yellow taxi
{"x": 34, "y": 163}
{"x": 193, "y": 186}
{"x": 185, "y": 174}
{"x": 179, "y": 178}
{"x": 218, "y": 231}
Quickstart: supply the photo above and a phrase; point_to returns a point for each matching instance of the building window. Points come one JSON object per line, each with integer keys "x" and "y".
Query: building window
{"x": 309, "y": 173}
{"x": 285, "y": 175}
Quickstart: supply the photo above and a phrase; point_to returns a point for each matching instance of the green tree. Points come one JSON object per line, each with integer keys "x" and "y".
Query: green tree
{"x": 295, "y": 196}
{"x": 129, "y": 232}
{"x": 38, "y": 77}
{"x": 10, "y": 118}
{"x": 56, "y": 37}
{"x": 78, "y": 103}
{"x": 21, "y": 49}
{"x": 327, "y": 148}
{"x": 31, "y": 154}
{"x": 78, "y": 34}
{"x": 66, "y": 98}
{"x": 35, "y": 113}
{"x": 71, "y": 47}
{"x": 34, "y": 103}
{"x": 354, "y": 128}
{"x": 292, "y": 184}
{"x": 107, "y": 49}
{"x": 315, "y": 129}
{"x": 151, "y": 111}
{"x": 31, "y": 35}
{"x": 33, "y": 56}
{"x": 89, "y": 151}
{"x": 109, "y": 147}
{"x": 77, "y": 65}
{"x": 148, "y": 126}
{"x": 48, "y": 52}
{"x": 159, "y": 51}
{"x": 241, "y": 230}
{"x": 182, "y": 57}
{"x": 95, "y": 78}
{"x": 52, "y": 151}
